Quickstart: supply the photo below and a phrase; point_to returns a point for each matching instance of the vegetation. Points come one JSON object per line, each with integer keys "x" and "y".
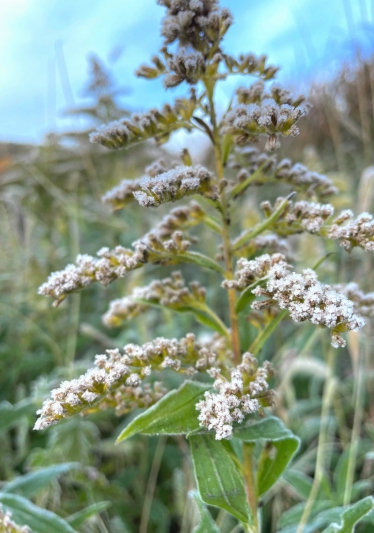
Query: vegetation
{"x": 238, "y": 386}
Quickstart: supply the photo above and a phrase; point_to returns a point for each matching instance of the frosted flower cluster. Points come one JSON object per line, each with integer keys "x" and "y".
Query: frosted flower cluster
{"x": 142, "y": 126}
{"x": 249, "y": 271}
{"x": 246, "y": 122}
{"x": 122, "y": 372}
{"x": 306, "y": 298}
{"x": 309, "y": 215}
{"x": 248, "y": 160}
{"x": 257, "y": 92}
{"x": 123, "y": 194}
{"x": 170, "y": 292}
{"x": 180, "y": 218}
{"x": 358, "y": 232}
{"x": 301, "y": 178}
{"x": 175, "y": 184}
{"x": 363, "y": 302}
{"x": 185, "y": 65}
{"x": 113, "y": 264}
{"x": 243, "y": 393}
{"x": 122, "y": 309}
{"x": 108, "y": 266}
{"x": 8, "y": 526}
{"x": 194, "y": 23}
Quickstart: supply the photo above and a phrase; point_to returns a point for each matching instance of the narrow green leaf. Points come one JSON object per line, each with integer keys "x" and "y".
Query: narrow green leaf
{"x": 174, "y": 414}
{"x": 77, "y": 519}
{"x": 280, "y": 445}
{"x": 247, "y": 297}
{"x": 351, "y": 516}
{"x": 208, "y": 321}
{"x": 218, "y": 475}
{"x": 10, "y": 414}
{"x": 30, "y": 484}
{"x": 201, "y": 260}
{"x": 39, "y": 520}
{"x": 206, "y": 523}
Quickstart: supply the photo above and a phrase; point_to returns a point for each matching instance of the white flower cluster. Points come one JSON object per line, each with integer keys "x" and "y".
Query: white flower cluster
{"x": 180, "y": 218}
{"x": 8, "y": 526}
{"x": 358, "y": 232}
{"x": 113, "y": 264}
{"x": 243, "y": 393}
{"x": 175, "y": 184}
{"x": 249, "y": 271}
{"x": 248, "y": 121}
{"x": 306, "y": 298}
{"x": 301, "y": 178}
{"x": 123, "y": 194}
{"x": 108, "y": 266}
{"x": 309, "y": 215}
{"x": 116, "y": 371}
{"x": 248, "y": 160}
{"x": 122, "y": 309}
{"x": 170, "y": 292}
{"x": 363, "y": 302}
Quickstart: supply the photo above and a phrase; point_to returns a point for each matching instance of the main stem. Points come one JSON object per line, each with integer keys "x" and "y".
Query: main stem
{"x": 227, "y": 250}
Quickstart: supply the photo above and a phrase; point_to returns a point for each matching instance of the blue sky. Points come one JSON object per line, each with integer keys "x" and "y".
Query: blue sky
{"x": 305, "y": 37}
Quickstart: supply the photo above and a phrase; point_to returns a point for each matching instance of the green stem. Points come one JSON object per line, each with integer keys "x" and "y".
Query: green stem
{"x": 250, "y": 483}
{"x": 206, "y": 309}
{"x": 355, "y": 437}
{"x": 328, "y": 394}
{"x": 265, "y": 333}
{"x": 260, "y": 228}
{"x": 227, "y": 249}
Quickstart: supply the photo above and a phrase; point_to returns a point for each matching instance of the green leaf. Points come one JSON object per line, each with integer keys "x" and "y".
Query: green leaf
{"x": 206, "y": 523}
{"x": 247, "y": 296}
{"x": 39, "y": 520}
{"x": 299, "y": 481}
{"x": 30, "y": 484}
{"x": 280, "y": 446}
{"x": 202, "y": 260}
{"x": 219, "y": 476}
{"x": 174, "y": 414}
{"x": 351, "y": 516}
{"x": 77, "y": 519}
{"x": 10, "y": 414}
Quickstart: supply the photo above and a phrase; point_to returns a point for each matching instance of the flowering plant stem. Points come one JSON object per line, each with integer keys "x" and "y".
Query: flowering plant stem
{"x": 227, "y": 250}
